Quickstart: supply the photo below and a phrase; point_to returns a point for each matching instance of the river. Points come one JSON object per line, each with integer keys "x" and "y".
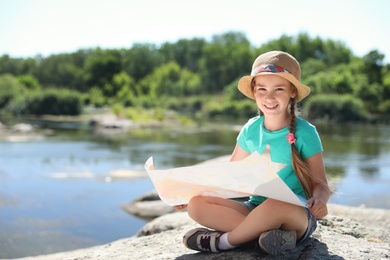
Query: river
{"x": 57, "y": 192}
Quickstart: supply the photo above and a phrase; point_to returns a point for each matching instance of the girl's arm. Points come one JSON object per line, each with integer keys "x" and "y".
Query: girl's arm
{"x": 238, "y": 154}
{"x": 321, "y": 192}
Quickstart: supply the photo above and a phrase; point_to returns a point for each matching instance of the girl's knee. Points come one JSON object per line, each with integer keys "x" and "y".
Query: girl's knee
{"x": 194, "y": 207}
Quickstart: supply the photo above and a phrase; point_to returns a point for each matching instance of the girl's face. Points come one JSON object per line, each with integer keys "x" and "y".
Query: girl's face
{"x": 273, "y": 94}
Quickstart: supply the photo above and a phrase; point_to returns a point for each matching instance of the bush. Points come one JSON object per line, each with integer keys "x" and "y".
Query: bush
{"x": 188, "y": 105}
{"x": 384, "y": 107}
{"x": 47, "y": 102}
{"x": 95, "y": 97}
{"x": 231, "y": 109}
{"x": 336, "y": 108}
{"x": 10, "y": 88}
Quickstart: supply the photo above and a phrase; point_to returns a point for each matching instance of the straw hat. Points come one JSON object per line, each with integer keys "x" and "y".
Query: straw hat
{"x": 276, "y": 63}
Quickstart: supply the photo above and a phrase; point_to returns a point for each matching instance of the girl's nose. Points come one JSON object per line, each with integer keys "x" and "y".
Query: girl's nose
{"x": 270, "y": 95}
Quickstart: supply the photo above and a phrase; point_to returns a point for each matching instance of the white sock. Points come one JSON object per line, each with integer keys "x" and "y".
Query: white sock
{"x": 223, "y": 243}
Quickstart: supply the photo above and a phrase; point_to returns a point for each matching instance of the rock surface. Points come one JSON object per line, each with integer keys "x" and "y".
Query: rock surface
{"x": 346, "y": 233}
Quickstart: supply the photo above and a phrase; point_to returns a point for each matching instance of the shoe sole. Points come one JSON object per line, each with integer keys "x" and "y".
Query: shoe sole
{"x": 276, "y": 241}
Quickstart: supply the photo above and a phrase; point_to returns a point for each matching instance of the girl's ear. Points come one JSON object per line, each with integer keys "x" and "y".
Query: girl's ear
{"x": 294, "y": 92}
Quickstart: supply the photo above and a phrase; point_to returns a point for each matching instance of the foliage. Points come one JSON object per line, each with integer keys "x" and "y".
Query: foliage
{"x": 384, "y": 108}
{"x": 221, "y": 107}
{"x": 95, "y": 97}
{"x": 225, "y": 58}
{"x": 188, "y": 105}
{"x": 193, "y": 76}
{"x": 184, "y": 52}
{"x": 101, "y": 66}
{"x": 335, "y": 108}
{"x": 47, "y": 102}
{"x": 303, "y": 47}
{"x": 10, "y": 88}
{"x": 232, "y": 93}
{"x": 138, "y": 114}
{"x": 141, "y": 60}
{"x": 373, "y": 64}
{"x": 170, "y": 80}
{"x": 29, "y": 81}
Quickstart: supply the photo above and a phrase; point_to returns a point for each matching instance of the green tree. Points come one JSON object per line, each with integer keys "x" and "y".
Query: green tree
{"x": 311, "y": 67}
{"x": 335, "y": 108}
{"x": 373, "y": 65}
{"x": 141, "y": 60}
{"x": 335, "y": 52}
{"x": 61, "y": 71}
{"x": 386, "y": 85}
{"x": 29, "y": 81}
{"x": 95, "y": 97}
{"x": 17, "y": 66}
{"x": 284, "y": 43}
{"x": 101, "y": 65}
{"x": 123, "y": 89}
{"x": 225, "y": 58}
{"x": 184, "y": 52}
{"x": 10, "y": 87}
{"x": 170, "y": 80}
{"x": 303, "y": 47}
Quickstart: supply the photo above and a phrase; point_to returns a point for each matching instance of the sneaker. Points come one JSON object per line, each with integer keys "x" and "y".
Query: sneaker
{"x": 276, "y": 241}
{"x": 202, "y": 239}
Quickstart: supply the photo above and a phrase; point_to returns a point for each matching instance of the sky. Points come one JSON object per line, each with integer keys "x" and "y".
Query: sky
{"x": 44, "y": 27}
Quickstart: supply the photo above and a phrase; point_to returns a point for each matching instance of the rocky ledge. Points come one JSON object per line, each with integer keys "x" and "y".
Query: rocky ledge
{"x": 346, "y": 233}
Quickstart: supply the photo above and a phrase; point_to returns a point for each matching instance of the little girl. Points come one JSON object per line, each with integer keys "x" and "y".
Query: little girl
{"x": 275, "y": 85}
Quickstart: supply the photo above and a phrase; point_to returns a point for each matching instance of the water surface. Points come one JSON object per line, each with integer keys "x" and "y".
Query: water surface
{"x": 56, "y": 193}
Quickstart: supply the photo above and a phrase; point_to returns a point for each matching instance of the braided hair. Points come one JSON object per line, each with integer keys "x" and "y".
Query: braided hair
{"x": 299, "y": 166}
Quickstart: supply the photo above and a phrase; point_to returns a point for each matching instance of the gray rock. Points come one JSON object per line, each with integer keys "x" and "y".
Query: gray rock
{"x": 110, "y": 121}
{"x": 148, "y": 206}
{"x": 346, "y": 233}
{"x": 148, "y": 209}
{"x": 22, "y": 128}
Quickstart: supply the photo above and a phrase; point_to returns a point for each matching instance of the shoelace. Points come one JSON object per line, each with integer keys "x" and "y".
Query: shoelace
{"x": 206, "y": 239}
{"x": 205, "y": 242}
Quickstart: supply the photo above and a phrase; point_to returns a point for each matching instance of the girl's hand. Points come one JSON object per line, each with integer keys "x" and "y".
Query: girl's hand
{"x": 317, "y": 207}
{"x": 180, "y": 207}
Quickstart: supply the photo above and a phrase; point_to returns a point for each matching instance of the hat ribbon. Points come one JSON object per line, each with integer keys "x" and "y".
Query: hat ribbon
{"x": 268, "y": 68}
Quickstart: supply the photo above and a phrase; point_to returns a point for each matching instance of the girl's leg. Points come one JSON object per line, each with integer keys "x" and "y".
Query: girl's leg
{"x": 217, "y": 213}
{"x": 271, "y": 214}
{"x": 242, "y": 225}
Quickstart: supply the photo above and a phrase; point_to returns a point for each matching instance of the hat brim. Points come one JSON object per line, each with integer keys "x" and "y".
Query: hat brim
{"x": 244, "y": 85}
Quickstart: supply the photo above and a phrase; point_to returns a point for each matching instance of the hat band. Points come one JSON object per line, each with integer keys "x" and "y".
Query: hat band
{"x": 268, "y": 68}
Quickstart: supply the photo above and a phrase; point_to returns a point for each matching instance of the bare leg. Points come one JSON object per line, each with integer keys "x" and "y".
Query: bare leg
{"x": 217, "y": 213}
{"x": 271, "y": 214}
{"x": 233, "y": 217}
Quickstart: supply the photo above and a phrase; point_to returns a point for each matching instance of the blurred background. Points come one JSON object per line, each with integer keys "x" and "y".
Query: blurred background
{"x": 90, "y": 90}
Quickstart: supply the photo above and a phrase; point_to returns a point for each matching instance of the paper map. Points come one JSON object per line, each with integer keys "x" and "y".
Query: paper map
{"x": 255, "y": 175}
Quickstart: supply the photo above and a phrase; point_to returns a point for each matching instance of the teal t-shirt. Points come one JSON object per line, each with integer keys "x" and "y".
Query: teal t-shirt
{"x": 254, "y": 137}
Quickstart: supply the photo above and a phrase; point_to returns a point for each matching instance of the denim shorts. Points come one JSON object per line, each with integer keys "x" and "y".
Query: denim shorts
{"x": 311, "y": 226}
